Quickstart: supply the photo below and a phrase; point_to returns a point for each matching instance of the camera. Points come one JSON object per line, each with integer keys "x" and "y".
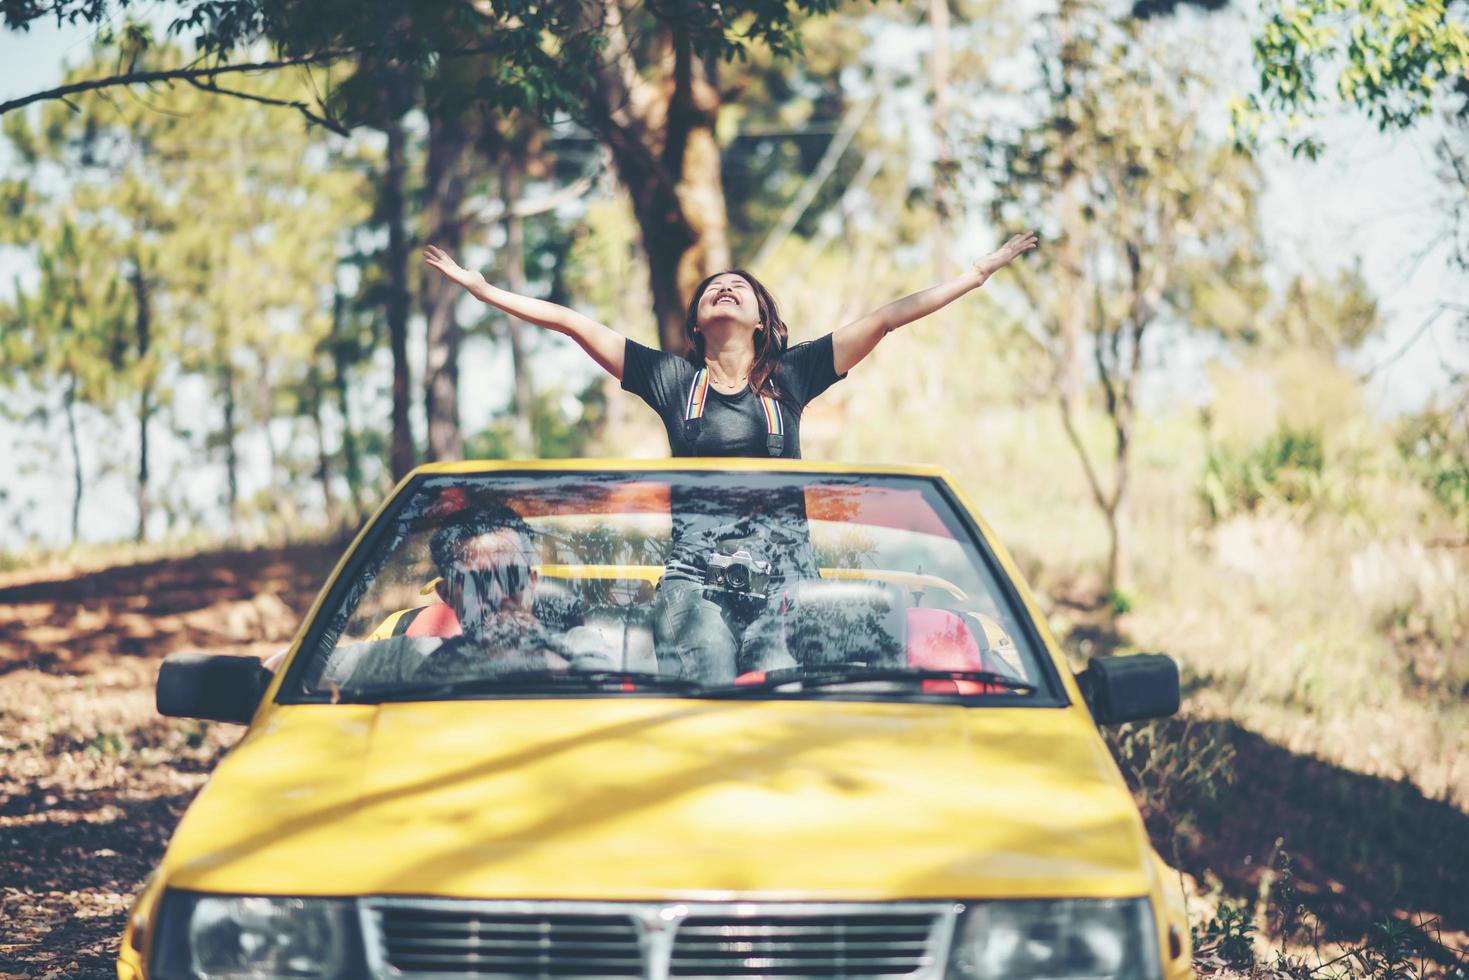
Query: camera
{"x": 740, "y": 573}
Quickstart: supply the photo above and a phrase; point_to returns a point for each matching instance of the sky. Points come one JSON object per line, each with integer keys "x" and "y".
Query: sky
{"x": 1374, "y": 199}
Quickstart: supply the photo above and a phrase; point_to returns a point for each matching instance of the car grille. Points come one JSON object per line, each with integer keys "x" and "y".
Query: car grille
{"x": 424, "y": 938}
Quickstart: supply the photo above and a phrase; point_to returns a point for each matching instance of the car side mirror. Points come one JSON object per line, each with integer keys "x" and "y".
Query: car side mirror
{"x": 1132, "y": 688}
{"x": 211, "y": 687}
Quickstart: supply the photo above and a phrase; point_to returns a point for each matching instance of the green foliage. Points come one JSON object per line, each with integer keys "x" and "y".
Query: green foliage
{"x": 1120, "y": 601}
{"x": 1285, "y": 470}
{"x": 1328, "y": 316}
{"x": 1229, "y": 935}
{"x": 1389, "y": 59}
{"x": 185, "y": 234}
{"x": 1175, "y": 766}
{"x": 108, "y": 743}
{"x": 527, "y": 55}
{"x": 1395, "y": 950}
{"x": 558, "y": 434}
{"x": 1435, "y": 443}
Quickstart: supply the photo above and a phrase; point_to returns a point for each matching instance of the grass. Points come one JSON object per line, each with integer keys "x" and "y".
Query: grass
{"x": 1323, "y": 636}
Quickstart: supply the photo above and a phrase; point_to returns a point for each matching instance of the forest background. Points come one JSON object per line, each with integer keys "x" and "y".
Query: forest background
{"x": 1207, "y": 420}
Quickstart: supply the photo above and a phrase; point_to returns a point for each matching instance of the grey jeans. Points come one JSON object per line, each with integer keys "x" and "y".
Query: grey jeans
{"x": 713, "y": 641}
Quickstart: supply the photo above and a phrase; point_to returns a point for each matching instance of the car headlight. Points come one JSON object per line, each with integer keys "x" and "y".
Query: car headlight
{"x": 237, "y": 937}
{"x": 1099, "y": 939}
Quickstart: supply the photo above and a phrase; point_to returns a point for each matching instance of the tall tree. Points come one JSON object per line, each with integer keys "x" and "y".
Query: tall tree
{"x": 1154, "y": 207}
{"x": 223, "y": 226}
{"x": 451, "y": 141}
{"x": 522, "y": 403}
{"x": 117, "y": 216}
{"x": 71, "y": 331}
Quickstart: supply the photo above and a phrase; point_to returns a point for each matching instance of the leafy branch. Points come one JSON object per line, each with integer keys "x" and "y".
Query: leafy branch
{"x": 188, "y": 73}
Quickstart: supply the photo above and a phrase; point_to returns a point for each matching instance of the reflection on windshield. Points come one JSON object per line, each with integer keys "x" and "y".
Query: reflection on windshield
{"x": 672, "y": 582}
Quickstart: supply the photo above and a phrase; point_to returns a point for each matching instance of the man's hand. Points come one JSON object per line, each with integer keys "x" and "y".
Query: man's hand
{"x": 453, "y": 271}
{"x": 989, "y": 264}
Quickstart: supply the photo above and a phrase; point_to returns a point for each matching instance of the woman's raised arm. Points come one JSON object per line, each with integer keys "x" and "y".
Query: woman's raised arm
{"x": 604, "y": 344}
{"x": 854, "y": 341}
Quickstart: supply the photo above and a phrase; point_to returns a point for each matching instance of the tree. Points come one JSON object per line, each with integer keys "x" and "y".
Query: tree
{"x": 651, "y": 94}
{"x": 72, "y": 330}
{"x": 256, "y": 270}
{"x": 1151, "y": 207}
{"x": 1390, "y": 60}
{"x": 223, "y": 227}
{"x": 105, "y": 231}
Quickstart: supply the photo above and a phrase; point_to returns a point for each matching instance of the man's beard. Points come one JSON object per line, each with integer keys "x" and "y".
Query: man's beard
{"x": 505, "y": 628}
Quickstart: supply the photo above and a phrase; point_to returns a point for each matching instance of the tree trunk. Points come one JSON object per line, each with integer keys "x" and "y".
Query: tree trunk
{"x": 1126, "y": 365}
{"x": 231, "y": 457}
{"x": 1119, "y": 515}
{"x": 449, "y": 140}
{"x": 323, "y": 458}
{"x": 522, "y": 403}
{"x": 692, "y": 153}
{"x": 1071, "y": 247}
{"x": 1118, "y": 559}
{"x": 666, "y": 155}
{"x": 145, "y": 392}
{"x": 70, "y": 399}
{"x": 351, "y": 460}
{"x": 401, "y": 456}
{"x": 272, "y": 452}
{"x": 943, "y": 164}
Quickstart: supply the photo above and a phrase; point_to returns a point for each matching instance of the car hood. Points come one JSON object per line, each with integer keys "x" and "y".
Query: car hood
{"x": 632, "y": 798}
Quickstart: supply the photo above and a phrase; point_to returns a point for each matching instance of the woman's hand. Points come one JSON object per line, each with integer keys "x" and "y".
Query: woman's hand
{"x": 453, "y": 271}
{"x": 989, "y": 264}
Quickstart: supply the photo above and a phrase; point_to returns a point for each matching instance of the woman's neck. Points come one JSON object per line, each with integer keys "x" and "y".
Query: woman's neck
{"x": 730, "y": 358}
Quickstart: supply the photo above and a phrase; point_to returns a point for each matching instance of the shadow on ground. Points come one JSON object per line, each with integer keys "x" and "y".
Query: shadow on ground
{"x": 1359, "y": 848}
{"x": 147, "y": 610}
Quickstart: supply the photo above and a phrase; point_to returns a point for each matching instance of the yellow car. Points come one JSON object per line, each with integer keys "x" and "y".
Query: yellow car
{"x": 686, "y": 718}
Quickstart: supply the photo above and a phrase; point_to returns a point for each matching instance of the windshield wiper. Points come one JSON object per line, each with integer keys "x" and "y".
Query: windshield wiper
{"x": 804, "y": 678}
{"x": 526, "y": 682}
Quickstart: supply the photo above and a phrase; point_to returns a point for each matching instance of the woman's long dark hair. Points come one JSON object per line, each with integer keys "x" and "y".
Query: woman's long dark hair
{"x": 770, "y": 342}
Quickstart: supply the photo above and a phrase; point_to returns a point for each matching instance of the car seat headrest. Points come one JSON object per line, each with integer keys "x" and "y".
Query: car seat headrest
{"x": 845, "y": 621}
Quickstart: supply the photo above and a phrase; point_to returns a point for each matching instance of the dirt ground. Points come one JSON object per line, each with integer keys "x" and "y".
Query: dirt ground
{"x": 93, "y": 780}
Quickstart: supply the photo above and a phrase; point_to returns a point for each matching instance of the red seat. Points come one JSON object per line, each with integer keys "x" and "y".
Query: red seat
{"x": 435, "y": 620}
{"x": 939, "y": 639}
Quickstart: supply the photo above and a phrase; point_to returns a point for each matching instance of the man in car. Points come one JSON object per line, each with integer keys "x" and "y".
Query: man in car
{"x": 486, "y": 560}
{"x": 485, "y": 622}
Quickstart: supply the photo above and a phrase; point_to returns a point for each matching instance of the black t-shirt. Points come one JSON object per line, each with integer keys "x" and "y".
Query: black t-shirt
{"x": 733, "y": 425}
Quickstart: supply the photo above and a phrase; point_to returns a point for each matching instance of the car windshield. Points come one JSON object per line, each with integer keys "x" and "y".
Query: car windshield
{"x": 729, "y": 584}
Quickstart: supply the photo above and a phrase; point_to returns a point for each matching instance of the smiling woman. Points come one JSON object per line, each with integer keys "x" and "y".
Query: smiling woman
{"x": 741, "y": 389}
